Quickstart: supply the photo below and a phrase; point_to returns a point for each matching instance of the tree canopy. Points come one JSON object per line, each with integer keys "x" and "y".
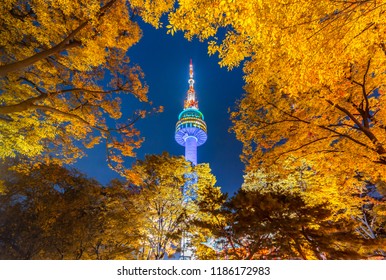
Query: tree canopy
{"x": 62, "y": 66}
{"x": 59, "y": 213}
{"x": 272, "y": 225}
{"x": 159, "y": 181}
{"x": 312, "y": 123}
{"x": 314, "y": 76}
{"x": 312, "y": 115}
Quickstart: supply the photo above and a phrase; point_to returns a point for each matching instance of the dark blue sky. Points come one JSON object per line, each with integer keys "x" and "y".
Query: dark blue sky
{"x": 165, "y": 61}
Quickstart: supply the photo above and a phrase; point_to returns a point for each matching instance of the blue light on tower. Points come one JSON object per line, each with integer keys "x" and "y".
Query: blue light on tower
{"x": 190, "y": 133}
{"x": 191, "y": 128}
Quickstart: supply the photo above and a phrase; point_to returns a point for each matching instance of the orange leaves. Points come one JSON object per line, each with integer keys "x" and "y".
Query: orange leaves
{"x": 159, "y": 201}
{"x": 133, "y": 177}
{"x": 94, "y": 141}
{"x": 57, "y": 91}
{"x": 300, "y": 45}
{"x": 313, "y": 75}
{"x": 151, "y": 11}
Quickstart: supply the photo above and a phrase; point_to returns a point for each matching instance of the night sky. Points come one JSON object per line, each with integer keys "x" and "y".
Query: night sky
{"x": 165, "y": 61}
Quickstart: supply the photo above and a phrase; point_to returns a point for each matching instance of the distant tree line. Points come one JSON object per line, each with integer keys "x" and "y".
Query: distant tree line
{"x": 53, "y": 212}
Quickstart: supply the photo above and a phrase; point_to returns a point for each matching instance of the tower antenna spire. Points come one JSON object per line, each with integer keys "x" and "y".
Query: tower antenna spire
{"x": 191, "y": 101}
{"x": 191, "y": 69}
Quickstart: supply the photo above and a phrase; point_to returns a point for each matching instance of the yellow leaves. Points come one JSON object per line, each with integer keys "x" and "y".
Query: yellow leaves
{"x": 126, "y": 150}
{"x": 287, "y": 41}
{"x": 94, "y": 141}
{"x": 24, "y": 136}
{"x": 159, "y": 201}
{"x": 279, "y": 131}
{"x": 54, "y": 196}
{"x": 152, "y": 10}
{"x": 171, "y": 29}
{"x": 2, "y": 187}
{"x": 60, "y": 100}
{"x": 313, "y": 62}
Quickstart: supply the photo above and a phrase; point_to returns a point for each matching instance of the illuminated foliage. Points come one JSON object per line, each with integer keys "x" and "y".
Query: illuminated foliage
{"x": 62, "y": 65}
{"x": 362, "y": 210}
{"x": 163, "y": 210}
{"x": 372, "y": 220}
{"x": 314, "y": 187}
{"x": 281, "y": 225}
{"x": 58, "y": 213}
{"x": 159, "y": 203}
{"x": 207, "y": 222}
{"x": 314, "y": 73}
{"x": 273, "y": 217}
{"x": 272, "y": 221}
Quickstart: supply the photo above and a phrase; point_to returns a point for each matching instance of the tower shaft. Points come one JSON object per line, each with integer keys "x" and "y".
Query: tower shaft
{"x": 191, "y": 149}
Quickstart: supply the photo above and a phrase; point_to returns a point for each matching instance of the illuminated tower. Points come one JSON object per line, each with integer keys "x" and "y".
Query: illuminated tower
{"x": 191, "y": 127}
{"x": 190, "y": 133}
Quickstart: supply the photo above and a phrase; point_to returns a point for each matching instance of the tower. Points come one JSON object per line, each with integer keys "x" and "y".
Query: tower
{"x": 191, "y": 127}
{"x": 190, "y": 133}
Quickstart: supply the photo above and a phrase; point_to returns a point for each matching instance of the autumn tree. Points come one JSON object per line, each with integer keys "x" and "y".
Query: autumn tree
{"x": 314, "y": 75}
{"x": 208, "y": 222}
{"x": 274, "y": 222}
{"x": 372, "y": 220}
{"x": 362, "y": 210}
{"x": 160, "y": 180}
{"x": 123, "y": 223}
{"x": 62, "y": 66}
{"x": 314, "y": 187}
{"x": 281, "y": 225}
{"x": 58, "y": 213}
{"x": 288, "y": 218}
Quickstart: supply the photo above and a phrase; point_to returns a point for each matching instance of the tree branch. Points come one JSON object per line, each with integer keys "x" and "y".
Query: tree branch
{"x": 302, "y": 146}
{"x": 66, "y": 43}
{"x": 320, "y": 126}
{"x": 379, "y": 148}
{"x": 28, "y": 104}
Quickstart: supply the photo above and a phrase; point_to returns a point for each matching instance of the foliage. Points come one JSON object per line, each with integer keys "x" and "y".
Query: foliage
{"x": 62, "y": 66}
{"x": 174, "y": 198}
{"x": 208, "y": 221}
{"x": 159, "y": 181}
{"x": 281, "y": 225}
{"x": 372, "y": 220}
{"x": 314, "y": 187}
{"x": 58, "y": 213}
{"x": 362, "y": 208}
{"x": 293, "y": 217}
{"x": 314, "y": 73}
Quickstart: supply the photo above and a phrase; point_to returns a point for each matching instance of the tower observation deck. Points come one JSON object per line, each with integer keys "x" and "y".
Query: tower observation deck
{"x": 191, "y": 129}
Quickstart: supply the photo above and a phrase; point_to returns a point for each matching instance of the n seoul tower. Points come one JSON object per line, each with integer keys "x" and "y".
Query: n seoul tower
{"x": 190, "y": 133}
{"x": 191, "y": 127}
